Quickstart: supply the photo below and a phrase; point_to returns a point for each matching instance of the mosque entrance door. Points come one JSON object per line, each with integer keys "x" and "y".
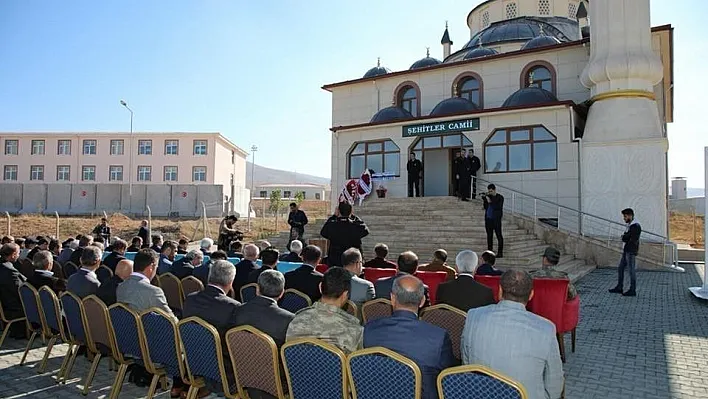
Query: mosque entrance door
{"x": 436, "y": 153}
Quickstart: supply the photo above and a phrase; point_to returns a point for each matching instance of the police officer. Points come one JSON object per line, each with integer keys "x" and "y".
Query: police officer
{"x": 474, "y": 165}
{"x": 415, "y": 173}
{"x": 458, "y": 168}
{"x": 343, "y": 230}
{"x": 464, "y": 176}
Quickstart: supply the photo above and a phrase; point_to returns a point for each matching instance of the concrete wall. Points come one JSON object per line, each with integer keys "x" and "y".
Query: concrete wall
{"x": 11, "y": 198}
{"x": 108, "y": 197}
{"x": 184, "y": 200}
{"x": 58, "y": 198}
{"x": 83, "y": 199}
{"x": 688, "y": 205}
{"x": 34, "y": 198}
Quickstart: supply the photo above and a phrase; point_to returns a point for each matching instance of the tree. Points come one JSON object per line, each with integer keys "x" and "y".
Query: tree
{"x": 299, "y": 197}
{"x": 276, "y": 204}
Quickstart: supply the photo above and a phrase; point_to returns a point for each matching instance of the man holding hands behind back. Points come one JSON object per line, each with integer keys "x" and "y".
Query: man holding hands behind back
{"x": 415, "y": 173}
{"x": 493, "y": 212}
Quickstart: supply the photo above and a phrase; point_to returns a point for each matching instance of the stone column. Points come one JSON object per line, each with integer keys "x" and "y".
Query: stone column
{"x": 623, "y": 160}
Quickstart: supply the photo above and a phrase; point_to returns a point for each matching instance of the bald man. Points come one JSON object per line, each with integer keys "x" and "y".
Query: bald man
{"x": 431, "y": 349}
{"x": 107, "y": 292}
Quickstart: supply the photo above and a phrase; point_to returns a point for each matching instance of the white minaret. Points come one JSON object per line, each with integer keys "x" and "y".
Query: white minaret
{"x": 624, "y": 145}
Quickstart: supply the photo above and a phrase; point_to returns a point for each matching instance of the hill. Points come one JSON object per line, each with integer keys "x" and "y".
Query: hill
{"x": 265, "y": 175}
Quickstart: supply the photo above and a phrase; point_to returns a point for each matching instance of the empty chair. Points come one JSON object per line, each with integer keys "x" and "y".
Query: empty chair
{"x": 550, "y": 296}
{"x": 55, "y": 325}
{"x": 294, "y": 300}
{"x": 432, "y": 280}
{"x": 477, "y": 382}
{"x": 262, "y": 374}
{"x": 191, "y": 284}
{"x": 104, "y": 273}
{"x": 372, "y": 274}
{"x": 376, "y": 309}
{"x": 129, "y": 344}
{"x": 76, "y": 329}
{"x": 33, "y": 317}
{"x": 314, "y": 369}
{"x": 203, "y": 356}
{"x": 99, "y": 337}
{"x": 248, "y": 292}
{"x": 381, "y": 373}
{"x": 70, "y": 268}
{"x": 450, "y": 319}
{"x": 163, "y": 355}
{"x": 172, "y": 287}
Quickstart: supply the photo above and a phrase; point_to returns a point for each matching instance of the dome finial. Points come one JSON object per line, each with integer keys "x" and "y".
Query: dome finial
{"x": 445, "y": 24}
{"x": 427, "y": 52}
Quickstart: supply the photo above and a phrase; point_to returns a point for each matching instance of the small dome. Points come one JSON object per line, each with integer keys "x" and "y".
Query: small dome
{"x": 390, "y": 114}
{"x": 376, "y": 71}
{"x": 479, "y": 52}
{"x": 529, "y": 96}
{"x": 540, "y": 41}
{"x": 425, "y": 62}
{"x": 453, "y": 105}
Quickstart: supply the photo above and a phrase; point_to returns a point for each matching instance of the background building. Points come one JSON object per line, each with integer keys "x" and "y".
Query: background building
{"x": 316, "y": 192}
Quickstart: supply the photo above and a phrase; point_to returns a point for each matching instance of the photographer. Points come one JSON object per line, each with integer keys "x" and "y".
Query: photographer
{"x": 228, "y": 233}
{"x": 344, "y": 231}
{"x": 493, "y": 213}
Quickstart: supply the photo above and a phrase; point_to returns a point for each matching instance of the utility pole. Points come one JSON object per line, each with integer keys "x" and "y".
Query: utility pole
{"x": 253, "y": 183}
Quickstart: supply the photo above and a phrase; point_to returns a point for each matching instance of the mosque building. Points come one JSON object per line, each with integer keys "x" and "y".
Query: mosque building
{"x": 563, "y": 100}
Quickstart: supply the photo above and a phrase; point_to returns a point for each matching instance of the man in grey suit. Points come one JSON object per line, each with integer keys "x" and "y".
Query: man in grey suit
{"x": 507, "y": 338}
{"x": 362, "y": 290}
{"x": 137, "y": 292}
{"x": 407, "y": 264}
{"x": 85, "y": 282}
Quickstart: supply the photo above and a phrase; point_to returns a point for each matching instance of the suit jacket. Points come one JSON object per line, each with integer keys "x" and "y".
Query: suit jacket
{"x": 182, "y": 268}
{"x": 139, "y": 295}
{"x": 306, "y": 280}
{"x": 202, "y": 273}
{"x": 487, "y": 270}
{"x": 107, "y": 291}
{"x": 383, "y": 287}
{"x": 439, "y": 267}
{"x": 361, "y": 291}
{"x": 75, "y": 257}
{"x": 290, "y": 257}
{"x": 215, "y": 307}
{"x": 464, "y": 293}
{"x": 82, "y": 283}
{"x": 65, "y": 255}
{"x": 431, "y": 349}
{"x": 39, "y": 280}
{"x": 515, "y": 342}
{"x": 380, "y": 263}
{"x": 10, "y": 281}
{"x": 132, "y": 249}
{"x": 497, "y": 205}
{"x": 265, "y": 314}
{"x": 164, "y": 265}
{"x": 243, "y": 269}
{"x": 342, "y": 233}
{"x": 143, "y": 233}
{"x": 254, "y": 274}
{"x": 112, "y": 260}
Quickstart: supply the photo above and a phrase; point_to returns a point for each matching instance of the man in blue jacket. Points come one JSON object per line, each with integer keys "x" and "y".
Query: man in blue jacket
{"x": 629, "y": 254}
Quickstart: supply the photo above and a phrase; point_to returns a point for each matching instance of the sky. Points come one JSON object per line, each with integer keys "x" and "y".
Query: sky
{"x": 253, "y": 70}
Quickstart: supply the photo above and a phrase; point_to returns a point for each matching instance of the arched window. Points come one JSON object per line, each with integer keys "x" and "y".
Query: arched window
{"x": 539, "y": 74}
{"x": 470, "y": 88}
{"x": 380, "y": 156}
{"x": 408, "y": 97}
{"x": 520, "y": 149}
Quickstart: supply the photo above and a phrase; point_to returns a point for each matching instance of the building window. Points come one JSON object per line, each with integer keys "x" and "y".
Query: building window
{"x": 263, "y": 194}
{"x": 171, "y": 147}
{"x": 544, "y": 7}
{"x": 200, "y": 147}
{"x": 88, "y": 173}
{"x": 199, "y": 173}
{"x": 468, "y": 85}
{"x": 115, "y": 173}
{"x": 539, "y": 74}
{"x": 170, "y": 173}
{"x": 37, "y": 172}
{"x": 511, "y": 10}
{"x": 520, "y": 149}
{"x": 117, "y": 147}
{"x": 286, "y": 194}
{"x": 144, "y": 173}
{"x": 572, "y": 10}
{"x": 63, "y": 173}
{"x": 485, "y": 19}
{"x": 408, "y": 99}
{"x": 10, "y": 172}
{"x": 380, "y": 156}
{"x": 12, "y": 147}
{"x": 318, "y": 196}
{"x": 37, "y": 147}
{"x": 144, "y": 147}
{"x": 89, "y": 147}
{"x": 64, "y": 147}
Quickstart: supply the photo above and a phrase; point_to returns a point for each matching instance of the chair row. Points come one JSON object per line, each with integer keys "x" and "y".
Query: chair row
{"x": 431, "y": 279}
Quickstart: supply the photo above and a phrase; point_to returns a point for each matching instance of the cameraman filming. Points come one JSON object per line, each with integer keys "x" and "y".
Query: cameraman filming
{"x": 228, "y": 233}
{"x": 344, "y": 231}
{"x": 493, "y": 213}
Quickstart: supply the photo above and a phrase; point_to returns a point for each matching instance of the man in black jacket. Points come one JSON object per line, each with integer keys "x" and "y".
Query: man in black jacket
{"x": 245, "y": 267}
{"x": 344, "y": 231}
{"x": 119, "y": 248}
{"x": 415, "y": 173}
{"x": 263, "y": 312}
{"x": 10, "y": 281}
{"x": 493, "y": 213}
{"x": 629, "y": 254}
{"x": 185, "y": 266}
{"x": 305, "y": 278}
{"x": 297, "y": 220}
{"x": 458, "y": 171}
{"x": 474, "y": 165}
{"x": 107, "y": 291}
{"x": 43, "y": 275}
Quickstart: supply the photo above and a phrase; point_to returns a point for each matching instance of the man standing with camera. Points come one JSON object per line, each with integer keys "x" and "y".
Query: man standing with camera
{"x": 493, "y": 212}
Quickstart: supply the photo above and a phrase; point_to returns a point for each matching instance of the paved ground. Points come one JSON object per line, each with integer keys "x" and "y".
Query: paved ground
{"x": 652, "y": 346}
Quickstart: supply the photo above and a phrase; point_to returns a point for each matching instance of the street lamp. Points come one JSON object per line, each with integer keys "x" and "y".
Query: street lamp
{"x": 253, "y": 171}
{"x": 130, "y": 149}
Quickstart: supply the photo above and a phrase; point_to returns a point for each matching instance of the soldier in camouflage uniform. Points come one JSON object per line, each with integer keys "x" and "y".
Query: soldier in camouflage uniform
{"x": 551, "y": 256}
{"x": 326, "y": 320}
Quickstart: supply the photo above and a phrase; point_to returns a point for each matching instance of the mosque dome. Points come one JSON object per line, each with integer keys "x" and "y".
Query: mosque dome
{"x": 529, "y": 96}
{"x": 390, "y": 114}
{"x": 525, "y": 29}
{"x": 378, "y": 70}
{"x": 425, "y": 62}
{"x": 453, "y": 105}
{"x": 540, "y": 41}
{"x": 479, "y": 52}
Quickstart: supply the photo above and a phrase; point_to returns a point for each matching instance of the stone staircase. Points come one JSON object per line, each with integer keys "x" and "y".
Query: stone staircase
{"x": 423, "y": 225}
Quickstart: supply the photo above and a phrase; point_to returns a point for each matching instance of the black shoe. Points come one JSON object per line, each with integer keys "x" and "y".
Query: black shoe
{"x": 616, "y": 290}
{"x": 630, "y": 293}
{"x": 500, "y": 255}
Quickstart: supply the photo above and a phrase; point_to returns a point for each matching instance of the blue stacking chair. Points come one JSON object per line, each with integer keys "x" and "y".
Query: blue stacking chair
{"x": 204, "y": 356}
{"x": 179, "y": 256}
{"x": 33, "y": 316}
{"x": 69, "y": 268}
{"x": 129, "y": 344}
{"x": 163, "y": 353}
{"x": 314, "y": 369}
{"x": 6, "y": 323}
{"x": 285, "y": 267}
{"x": 294, "y": 300}
{"x": 381, "y": 373}
{"x": 99, "y": 337}
{"x": 104, "y": 274}
{"x": 130, "y": 255}
{"x": 54, "y": 323}
{"x": 75, "y": 329}
{"x": 476, "y": 382}
{"x": 248, "y": 292}
{"x": 234, "y": 260}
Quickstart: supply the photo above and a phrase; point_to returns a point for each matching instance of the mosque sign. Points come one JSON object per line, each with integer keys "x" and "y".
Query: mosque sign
{"x": 437, "y": 128}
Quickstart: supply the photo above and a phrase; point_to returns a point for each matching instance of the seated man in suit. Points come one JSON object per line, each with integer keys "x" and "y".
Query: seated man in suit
{"x": 135, "y": 245}
{"x": 42, "y": 245}
{"x": 245, "y": 267}
{"x": 439, "y": 264}
{"x": 137, "y": 292}
{"x": 167, "y": 256}
{"x": 119, "y": 248}
{"x": 380, "y": 261}
{"x": 550, "y": 259}
{"x": 108, "y": 291}
{"x": 269, "y": 260}
{"x": 66, "y": 251}
{"x": 326, "y": 320}
{"x": 407, "y": 264}
{"x": 85, "y": 282}
{"x": 487, "y": 267}
{"x": 235, "y": 250}
{"x": 305, "y": 278}
{"x": 184, "y": 267}
{"x": 362, "y": 290}
{"x": 263, "y": 312}
{"x": 294, "y": 255}
{"x": 182, "y": 246}
{"x": 156, "y": 243}
{"x": 84, "y": 241}
{"x": 430, "y": 349}
{"x": 43, "y": 262}
{"x": 464, "y": 293}
{"x": 205, "y": 246}
{"x": 202, "y": 272}
{"x": 10, "y": 281}
{"x": 513, "y": 341}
